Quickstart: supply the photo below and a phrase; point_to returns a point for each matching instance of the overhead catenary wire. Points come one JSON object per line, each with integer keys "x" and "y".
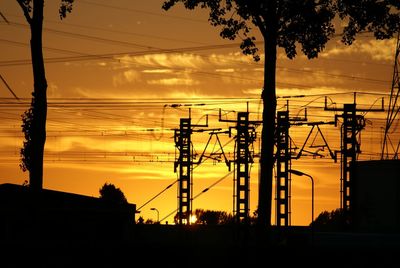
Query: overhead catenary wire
{"x": 86, "y": 56}
{"x": 157, "y": 195}
{"x": 9, "y": 88}
{"x": 202, "y": 192}
{"x": 141, "y": 11}
{"x": 4, "y": 18}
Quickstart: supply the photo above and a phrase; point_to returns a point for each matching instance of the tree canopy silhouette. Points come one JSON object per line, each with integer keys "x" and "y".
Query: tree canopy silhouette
{"x": 34, "y": 119}
{"x": 333, "y": 221}
{"x": 308, "y": 24}
{"x": 112, "y": 194}
{"x": 213, "y": 217}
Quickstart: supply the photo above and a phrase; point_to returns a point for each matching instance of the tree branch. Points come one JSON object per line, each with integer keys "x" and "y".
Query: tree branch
{"x": 25, "y": 8}
{"x": 260, "y": 24}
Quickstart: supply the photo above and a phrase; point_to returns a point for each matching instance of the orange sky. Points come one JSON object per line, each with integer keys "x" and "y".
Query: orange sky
{"x": 114, "y": 71}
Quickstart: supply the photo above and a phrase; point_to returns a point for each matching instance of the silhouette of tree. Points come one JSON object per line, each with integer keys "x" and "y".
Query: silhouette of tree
{"x": 110, "y": 193}
{"x": 330, "y": 221}
{"x": 34, "y": 119}
{"x": 213, "y": 217}
{"x": 140, "y": 220}
{"x": 149, "y": 221}
{"x": 287, "y": 24}
{"x": 176, "y": 217}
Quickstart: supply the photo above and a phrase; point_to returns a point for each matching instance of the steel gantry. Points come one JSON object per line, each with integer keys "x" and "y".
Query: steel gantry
{"x": 244, "y": 157}
{"x": 350, "y": 148}
{"x": 283, "y": 159}
{"x": 184, "y": 161}
{"x": 284, "y": 155}
{"x": 184, "y": 145}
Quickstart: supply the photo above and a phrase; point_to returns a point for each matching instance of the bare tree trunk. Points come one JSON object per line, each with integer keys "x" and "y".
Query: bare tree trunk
{"x": 268, "y": 131}
{"x": 39, "y": 99}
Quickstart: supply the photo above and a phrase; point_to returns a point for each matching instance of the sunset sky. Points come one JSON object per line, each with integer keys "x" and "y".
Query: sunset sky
{"x": 122, "y": 73}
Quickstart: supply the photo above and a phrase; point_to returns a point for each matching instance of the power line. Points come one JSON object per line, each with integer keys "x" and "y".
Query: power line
{"x": 86, "y": 36}
{"x": 44, "y": 47}
{"x": 4, "y": 18}
{"x": 112, "y": 56}
{"x": 202, "y": 192}
{"x": 8, "y": 87}
{"x": 157, "y": 195}
{"x": 114, "y": 31}
{"x": 141, "y": 11}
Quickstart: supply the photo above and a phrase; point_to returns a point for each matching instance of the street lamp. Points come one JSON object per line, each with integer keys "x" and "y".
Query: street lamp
{"x": 299, "y": 173}
{"x": 158, "y": 214}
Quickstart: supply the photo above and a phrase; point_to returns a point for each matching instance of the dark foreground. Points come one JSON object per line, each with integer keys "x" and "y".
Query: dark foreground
{"x": 202, "y": 246}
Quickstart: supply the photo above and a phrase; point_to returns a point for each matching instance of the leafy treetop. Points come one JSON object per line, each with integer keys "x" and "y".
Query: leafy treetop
{"x": 112, "y": 194}
{"x": 292, "y": 22}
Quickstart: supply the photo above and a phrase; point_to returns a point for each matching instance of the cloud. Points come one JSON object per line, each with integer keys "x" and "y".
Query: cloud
{"x": 174, "y": 82}
{"x": 53, "y": 90}
{"x": 379, "y": 50}
{"x": 157, "y": 71}
{"x": 126, "y": 77}
{"x": 252, "y": 91}
{"x": 233, "y": 59}
{"x": 227, "y": 70}
{"x": 173, "y": 61}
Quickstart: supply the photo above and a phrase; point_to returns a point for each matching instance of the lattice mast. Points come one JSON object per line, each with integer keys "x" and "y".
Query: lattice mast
{"x": 282, "y": 169}
{"x": 389, "y": 145}
{"x": 244, "y": 157}
{"x": 184, "y": 161}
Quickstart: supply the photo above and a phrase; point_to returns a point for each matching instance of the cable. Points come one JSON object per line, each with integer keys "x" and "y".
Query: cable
{"x": 9, "y": 88}
{"x": 202, "y": 192}
{"x": 154, "y": 197}
{"x": 140, "y": 11}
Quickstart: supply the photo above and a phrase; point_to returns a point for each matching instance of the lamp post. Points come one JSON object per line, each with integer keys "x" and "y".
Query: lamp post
{"x": 158, "y": 214}
{"x": 299, "y": 173}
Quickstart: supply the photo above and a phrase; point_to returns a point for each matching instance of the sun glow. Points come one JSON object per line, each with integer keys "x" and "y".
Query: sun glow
{"x": 193, "y": 219}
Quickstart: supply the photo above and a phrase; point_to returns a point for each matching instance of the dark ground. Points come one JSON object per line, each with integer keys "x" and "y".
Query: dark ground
{"x": 202, "y": 246}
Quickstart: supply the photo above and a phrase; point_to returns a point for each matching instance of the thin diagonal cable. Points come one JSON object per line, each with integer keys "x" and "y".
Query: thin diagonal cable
{"x": 202, "y": 192}
{"x": 154, "y": 197}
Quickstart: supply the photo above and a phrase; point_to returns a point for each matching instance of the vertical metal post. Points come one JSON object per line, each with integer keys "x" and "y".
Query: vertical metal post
{"x": 245, "y": 137}
{"x": 393, "y": 110}
{"x": 350, "y": 147}
{"x": 242, "y": 167}
{"x": 183, "y": 143}
{"x": 282, "y": 169}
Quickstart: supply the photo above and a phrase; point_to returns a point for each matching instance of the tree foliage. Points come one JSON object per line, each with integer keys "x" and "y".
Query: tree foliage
{"x": 112, "y": 194}
{"x": 330, "y": 221}
{"x": 304, "y": 22}
{"x": 26, "y": 150}
{"x": 308, "y": 23}
{"x": 380, "y": 17}
{"x": 212, "y": 217}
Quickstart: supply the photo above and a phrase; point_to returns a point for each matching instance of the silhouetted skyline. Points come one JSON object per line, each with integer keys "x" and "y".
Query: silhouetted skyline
{"x": 122, "y": 74}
